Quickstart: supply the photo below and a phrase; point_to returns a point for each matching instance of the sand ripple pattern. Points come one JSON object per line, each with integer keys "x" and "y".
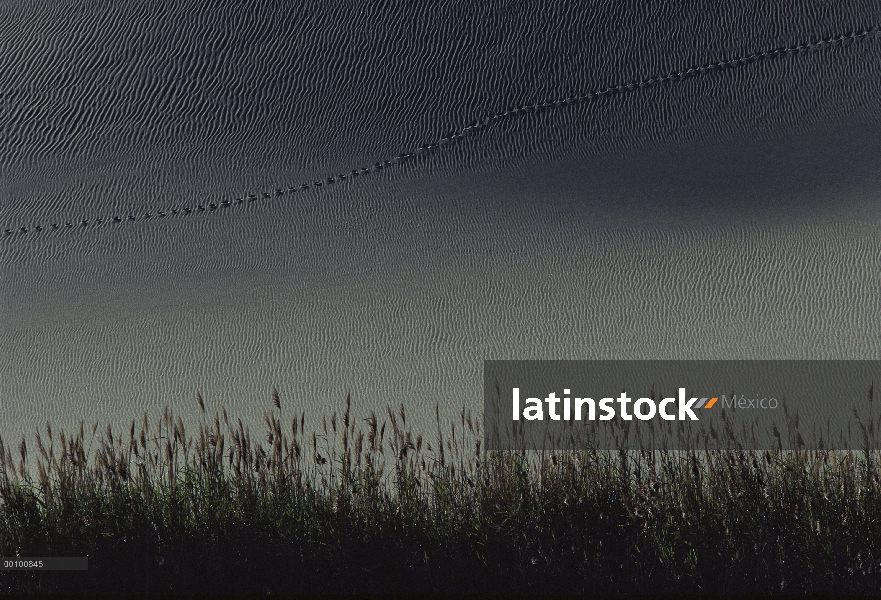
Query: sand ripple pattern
{"x": 475, "y": 126}
{"x": 142, "y": 112}
{"x": 417, "y": 330}
{"x": 697, "y": 216}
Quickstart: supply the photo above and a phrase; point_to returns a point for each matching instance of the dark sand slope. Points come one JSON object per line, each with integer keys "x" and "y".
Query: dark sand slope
{"x": 733, "y": 213}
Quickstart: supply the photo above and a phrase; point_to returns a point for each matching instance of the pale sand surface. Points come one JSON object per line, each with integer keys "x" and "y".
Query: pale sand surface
{"x": 397, "y": 288}
{"x": 734, "y": 214}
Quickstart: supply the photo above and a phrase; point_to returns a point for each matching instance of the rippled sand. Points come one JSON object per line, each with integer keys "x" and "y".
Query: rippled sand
{"x": 732, "y": 216}
{"x": 398, "y": 289}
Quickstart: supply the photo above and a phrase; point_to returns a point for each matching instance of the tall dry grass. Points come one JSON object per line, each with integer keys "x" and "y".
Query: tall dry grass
{"x": 365, "y": 504}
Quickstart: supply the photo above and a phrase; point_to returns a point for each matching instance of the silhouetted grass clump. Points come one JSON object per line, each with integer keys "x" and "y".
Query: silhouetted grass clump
{"x": 367, "y": 506}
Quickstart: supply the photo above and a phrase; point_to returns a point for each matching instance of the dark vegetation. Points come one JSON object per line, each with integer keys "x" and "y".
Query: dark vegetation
{"x": 367, "y": 506}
